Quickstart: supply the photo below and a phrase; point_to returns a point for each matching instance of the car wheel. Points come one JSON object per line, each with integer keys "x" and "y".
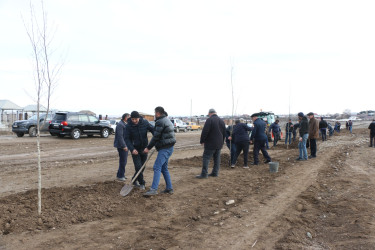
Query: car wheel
{"x": 60, "y": 136}
{"x": 75, "y": 134}
{"x": 20, "y": 134}
{"x": 32, "y": 131}
{"x": 105, "y": 133}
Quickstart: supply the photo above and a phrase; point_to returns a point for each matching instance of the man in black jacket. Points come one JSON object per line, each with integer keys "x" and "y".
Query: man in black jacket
{"x": 122, "y": 149}
{"x": 323, "y": 125}
{"x": 241, "y": 139}
{"x": 163, "y": 140}
{"x": 372, "y": 133}
{"x": 259, "y": 138}
{"x": 304, "y": 135}
{"x": 136, "y": 140}
{"x": 212, "y": 137}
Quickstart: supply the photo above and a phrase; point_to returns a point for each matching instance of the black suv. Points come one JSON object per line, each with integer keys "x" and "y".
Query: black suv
{"x": 75, "y": 124}
{"x": 23, "y": 127}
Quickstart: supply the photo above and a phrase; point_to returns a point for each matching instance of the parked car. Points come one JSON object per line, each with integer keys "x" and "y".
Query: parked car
{"x": 76, "y": 124}
{"x": 193, "y": 126}
{"x": 114, "y": 124}
{"x": 179, "y": 125}
{"x": 23, "y": 127}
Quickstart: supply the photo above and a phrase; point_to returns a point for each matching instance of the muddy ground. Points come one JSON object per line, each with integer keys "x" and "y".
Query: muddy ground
{"x": 323, "y": 203}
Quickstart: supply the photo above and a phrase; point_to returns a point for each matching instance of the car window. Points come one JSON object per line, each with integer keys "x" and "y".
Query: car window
{"x": 60, "y": 117}
{"x": 83, "y": 118}
{"x": 73, "y": 118}
{"x": 112, "y": 122}
{"x": 93, "y": 118}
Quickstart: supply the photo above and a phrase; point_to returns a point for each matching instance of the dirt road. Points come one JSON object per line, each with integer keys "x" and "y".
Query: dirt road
{"x": 323, "y": 203}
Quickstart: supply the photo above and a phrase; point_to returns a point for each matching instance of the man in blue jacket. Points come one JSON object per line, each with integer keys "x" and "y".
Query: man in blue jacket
{"x": 122, "y": 149}
{"x": 259, "y": 137}
{"x": 240, "y": 137}
{"x": 276, "y": 130}
{"x": 136, "y": 140}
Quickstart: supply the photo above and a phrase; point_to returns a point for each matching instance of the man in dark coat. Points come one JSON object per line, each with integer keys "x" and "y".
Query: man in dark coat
{"x": 304, "y": 135}
{"x": 163, "y": 140}
{"x": 323, "y": 125}
{"x": 276, "y": 130}
{"x": 122, "y": 149}
{"x": 372, "y": 133}
{"x": 212, "y": 138}
{"x": 136, "y": 140}
{"x": 259, "y": 138}
{"x": 240, "y": 138}
{"x": 313, "y": 134}
{"x": 288, "y": 131}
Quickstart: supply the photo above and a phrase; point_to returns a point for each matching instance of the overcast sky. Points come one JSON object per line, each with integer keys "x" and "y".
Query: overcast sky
{"x": 135, "y": 55}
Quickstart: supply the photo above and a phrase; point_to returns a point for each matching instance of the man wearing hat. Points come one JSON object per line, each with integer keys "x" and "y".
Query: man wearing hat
{"x": 212, "y": 138}
{"x": 136, "y": 140}
{"x": 122, "y": 149}
{"x": 259, "y": 138}
{"x": 313, "y": 133}
{"x": 304, "y": 135}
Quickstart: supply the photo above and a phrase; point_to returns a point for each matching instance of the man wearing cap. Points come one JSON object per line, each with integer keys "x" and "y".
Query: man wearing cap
{"x": 122, "y": 149}
{"x": 136, "y": 140}
{"x": 304, "y": 135}
{"x": 212, "y": 138}
{"x": 259, "y": 138}
{"x": 313, "y": 133}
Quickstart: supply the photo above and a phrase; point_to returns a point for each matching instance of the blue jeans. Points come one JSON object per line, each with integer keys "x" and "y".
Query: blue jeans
{"x": 351, "y": 129}
{"x": 288, "y": 135}
{"x": 207, "y": 155}
{"x": 122, "y": 162}
{"x": 232, "y": 152}
{"x": 302, "y": 147}
{"x": 161, "y": 167}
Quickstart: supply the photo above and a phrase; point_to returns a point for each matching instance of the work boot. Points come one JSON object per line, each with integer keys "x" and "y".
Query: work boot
{"x": 201, "y": 176}
{"x": 254, "y": 163}
{"x": 213, "y": 175}
{"x": 167, "y": 191}
{"x": 267, "y": 161}
{"x": 151, "y": 192}
{"x": 142, "y": 187}
{"x": 245, "y": 166}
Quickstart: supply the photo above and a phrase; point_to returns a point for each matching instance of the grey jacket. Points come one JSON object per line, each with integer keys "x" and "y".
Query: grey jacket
{"x": 120, "y": 135}
{"x": 163, "y": 134}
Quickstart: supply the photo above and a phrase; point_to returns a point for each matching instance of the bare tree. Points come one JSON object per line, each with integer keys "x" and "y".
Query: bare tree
{"x": 45, "y": 75}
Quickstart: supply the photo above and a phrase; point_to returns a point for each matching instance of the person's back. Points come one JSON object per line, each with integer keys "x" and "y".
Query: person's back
{"x": 258, "y": 132}
{"x": 323, "y": 124}
{"x": 213, "y": 133}
{"x": 303, "y": 126}
{"x": 372, "y": 128}
{"x": 240, "y": 133}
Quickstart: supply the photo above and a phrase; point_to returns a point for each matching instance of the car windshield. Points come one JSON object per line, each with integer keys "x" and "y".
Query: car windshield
{"x": 112, "y": 122}
{"x": 34, "y": 117}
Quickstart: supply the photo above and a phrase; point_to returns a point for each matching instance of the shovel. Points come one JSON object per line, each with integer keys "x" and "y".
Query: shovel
{"x": 127, "y": 188}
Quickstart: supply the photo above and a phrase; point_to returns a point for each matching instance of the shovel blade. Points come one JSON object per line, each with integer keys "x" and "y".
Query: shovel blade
{"x": 126, "y": 189}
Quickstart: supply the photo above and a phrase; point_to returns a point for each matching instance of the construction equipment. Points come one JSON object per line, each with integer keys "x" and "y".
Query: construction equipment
{"x": 127, "y": 188}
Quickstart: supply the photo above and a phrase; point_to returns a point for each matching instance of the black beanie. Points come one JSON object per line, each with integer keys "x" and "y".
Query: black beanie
{"x": 135, "y": 114}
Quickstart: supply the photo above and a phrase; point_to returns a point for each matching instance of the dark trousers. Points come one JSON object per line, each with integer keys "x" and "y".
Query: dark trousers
{"x": 313, "y": 147}
{"x": 242, "y": 146}
{"x": 138, "y": 161}
{"x": 207, "y": 155}
{"x": 122, "y": 162}
{"x": 372, "y": 140}
{"x": 260, "y": 145}
{"x": 232, "y": 149}
{"x": 276, "y": 137}
{"x": 323, "y": 131}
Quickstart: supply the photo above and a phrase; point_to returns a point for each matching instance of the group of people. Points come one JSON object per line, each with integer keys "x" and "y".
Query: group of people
{"x": 131, "y": 136}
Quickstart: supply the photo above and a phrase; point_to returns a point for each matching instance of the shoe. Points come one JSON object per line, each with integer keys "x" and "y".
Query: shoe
{"x": 142, "y": 187}
{"x": 168, "y": 191}
{"x": 121, "y": 179}
{"x": 151, "y": 192}
{"x": 267, "y": 161}
{"x": 298, "y": 159}
{"x": 245, "y": 166}
{"x": 213, "y": 175}
{"x": 253, "y": 163}
{"x": 311, "y": 156}
{"x": 135, "y": 184}
{"x": 201, "y": 176}
{"x": 233, "y": 166}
